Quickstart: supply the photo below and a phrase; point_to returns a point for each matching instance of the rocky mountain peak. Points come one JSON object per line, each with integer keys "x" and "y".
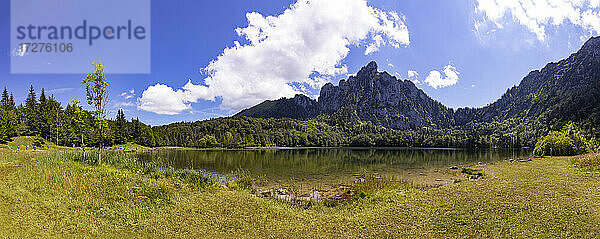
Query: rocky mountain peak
{"x": 369, "y": 95}
{"x": 368, "y": 70}
{"x": 593, "y": 42}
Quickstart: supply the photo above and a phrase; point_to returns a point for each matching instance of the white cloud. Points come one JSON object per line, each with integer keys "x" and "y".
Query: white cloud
{"x": 162, "y": 99}
{"x": 436, "y": 80}
{"x": 124, "y": 104}
{"x": 128, "y": 94}
{"x": 537, "y": 15}
{"x": 60, "y": 90}
{"x": 302, "y": 46}
{"x": 414, "y": 76}
{"x": 373, "y": 47}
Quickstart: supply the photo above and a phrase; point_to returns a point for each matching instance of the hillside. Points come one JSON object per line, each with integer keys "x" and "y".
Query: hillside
{"x": 568, "y": 90}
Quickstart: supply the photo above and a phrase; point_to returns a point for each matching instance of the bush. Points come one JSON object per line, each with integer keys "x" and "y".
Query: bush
{"x": 472, "y": 173}
{"x": 588, "y": 162}
{"x": 566, "y": 142}
{"x": 38, "y": 141}
{"x": 241, "y": 180}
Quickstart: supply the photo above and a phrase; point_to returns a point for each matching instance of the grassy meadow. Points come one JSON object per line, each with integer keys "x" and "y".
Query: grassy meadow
{"x": 49, "y": 194}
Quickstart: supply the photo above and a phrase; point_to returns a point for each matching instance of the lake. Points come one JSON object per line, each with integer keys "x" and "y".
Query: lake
{"x": 327, "y": 167}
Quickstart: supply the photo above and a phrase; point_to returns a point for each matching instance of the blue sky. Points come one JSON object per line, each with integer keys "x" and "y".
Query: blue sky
{"x": 477, "y": 48}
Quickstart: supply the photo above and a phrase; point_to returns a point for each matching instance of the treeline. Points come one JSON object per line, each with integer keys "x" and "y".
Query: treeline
{"x": 73, "y": 126}
{"x": 239, "y": 132}
{"x": 45, "y": 117}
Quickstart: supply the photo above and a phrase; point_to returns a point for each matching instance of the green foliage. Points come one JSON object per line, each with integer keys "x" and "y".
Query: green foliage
{"x": 240, "y": 180}
{"x": 6, "y": 126}
{"x": 95, "y": 88}
{"x": 566, "y": 142}
{"x": 472, "y": 173}
{"x": 194, "y": 178}
{"x": 369, "y": 185}
{"x": 38, "y": 141}
{"x": 589, "y": 162}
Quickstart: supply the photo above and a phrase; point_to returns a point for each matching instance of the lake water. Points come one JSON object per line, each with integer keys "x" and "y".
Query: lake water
{"x": 327, "y": 167}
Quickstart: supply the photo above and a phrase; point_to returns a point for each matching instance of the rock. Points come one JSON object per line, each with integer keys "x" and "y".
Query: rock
{"x": 264, "y": 193}
{"x": 287, "y": 198}
{"x": 314, "y": 196}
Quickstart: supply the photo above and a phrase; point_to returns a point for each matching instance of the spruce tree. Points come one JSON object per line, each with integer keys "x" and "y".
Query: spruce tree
{"x": 11, "y": 102}
{"x": 31, "y": 109}
{"x": 5, "y": 102}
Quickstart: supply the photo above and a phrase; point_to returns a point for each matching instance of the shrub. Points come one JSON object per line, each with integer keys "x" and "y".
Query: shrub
{"x": 38, "y": 141}
{"x": 472, "y": 173}
{"x": 241, "y": 180}
{"x": 588, "y": 162}
{"x": 566, "y": 142}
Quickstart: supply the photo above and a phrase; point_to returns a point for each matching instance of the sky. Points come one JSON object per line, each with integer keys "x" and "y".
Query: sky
{"x": 212, "y": 59}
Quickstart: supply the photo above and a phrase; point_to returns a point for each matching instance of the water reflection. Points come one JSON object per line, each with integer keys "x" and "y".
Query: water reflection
{"x": 311, "y": 163}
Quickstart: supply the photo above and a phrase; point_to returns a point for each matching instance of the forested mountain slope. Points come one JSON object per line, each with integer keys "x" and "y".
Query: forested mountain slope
{"x": 568, "y": 90}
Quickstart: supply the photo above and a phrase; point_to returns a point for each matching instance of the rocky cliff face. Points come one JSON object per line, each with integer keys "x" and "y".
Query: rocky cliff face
{"x": 370, "y": 95}
{"x": 382, "y": 99}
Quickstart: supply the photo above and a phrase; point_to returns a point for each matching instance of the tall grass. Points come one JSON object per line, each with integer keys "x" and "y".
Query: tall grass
{"x": 129, "y": 161}
{"x": 589, "y": 162}
{"x": 370, "y": 184}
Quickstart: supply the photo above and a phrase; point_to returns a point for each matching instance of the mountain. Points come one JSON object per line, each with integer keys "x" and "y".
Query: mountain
{"x": 300, "y": 107}
{"x": 568, "y": 90}
{"x": 370, "y": 95}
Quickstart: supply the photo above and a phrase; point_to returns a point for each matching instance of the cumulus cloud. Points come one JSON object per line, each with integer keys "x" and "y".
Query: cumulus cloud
{"x": 162, "y": 99}
{"x": 436, "y": 80}
{"x": 537, "y": 15}
{"x": 285, "y": 54}
{"x": 413, "y": 76}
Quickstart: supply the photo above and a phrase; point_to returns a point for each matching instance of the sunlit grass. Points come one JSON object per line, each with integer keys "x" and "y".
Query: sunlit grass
{"x": 588, "y": 161}
{"x": 57, "y": 195}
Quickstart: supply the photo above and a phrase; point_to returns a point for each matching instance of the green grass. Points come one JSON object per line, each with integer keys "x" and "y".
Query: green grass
{"x": 42, "y": 195}
{"x": 131, "y": 146}
{"x": 589, "y": 162}
{"x": 26, "y": 141}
